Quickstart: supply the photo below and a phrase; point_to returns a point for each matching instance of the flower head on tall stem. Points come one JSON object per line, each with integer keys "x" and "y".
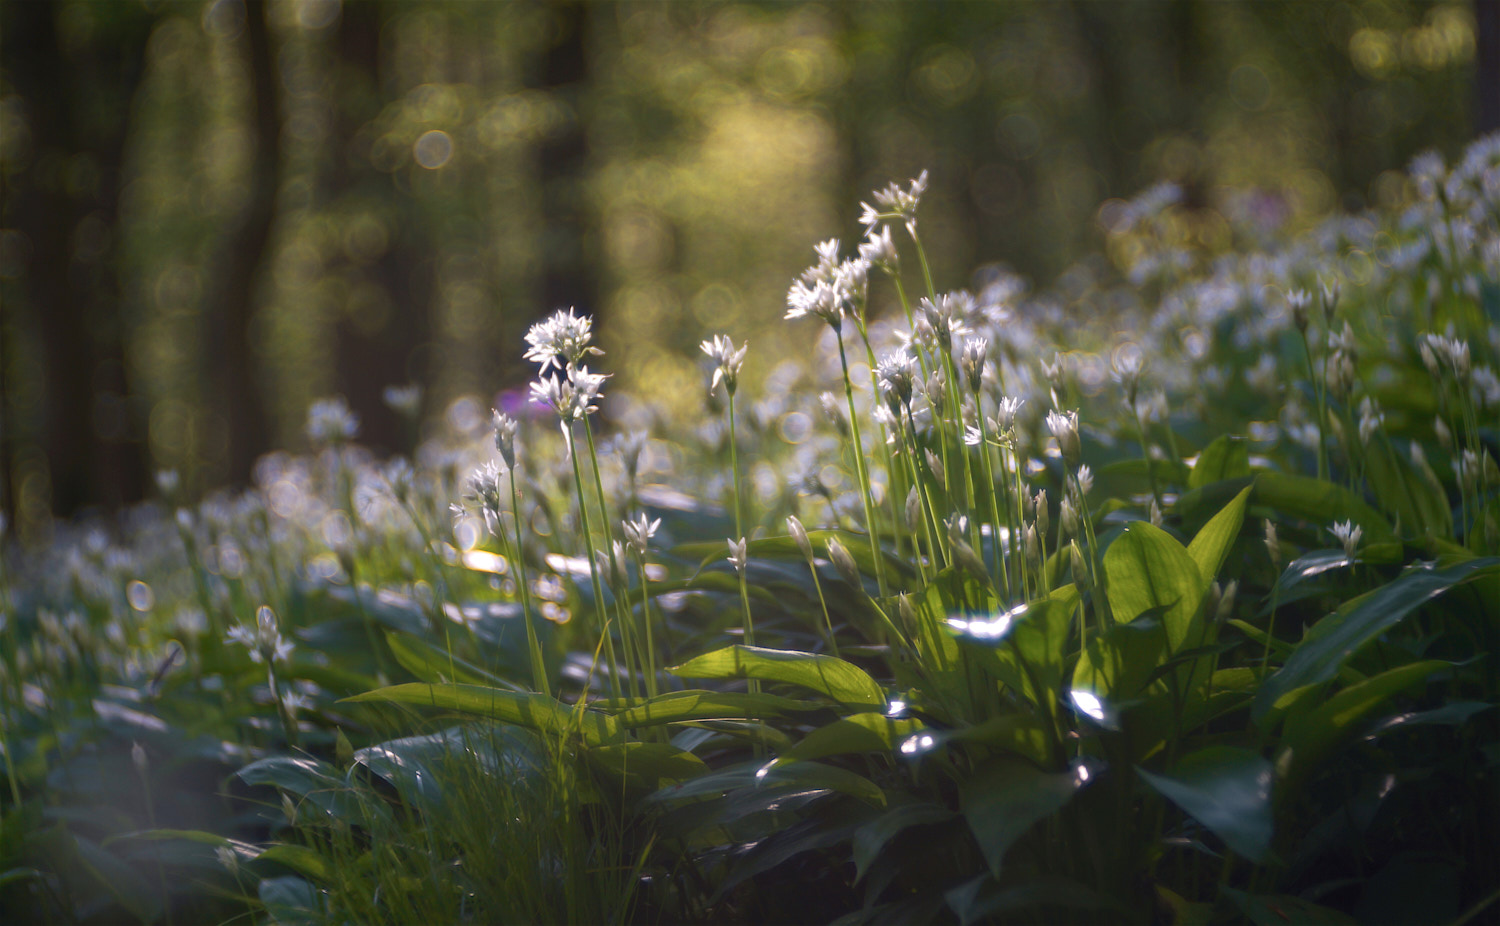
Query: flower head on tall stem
{"x": 896, "y": 203}
{"x": 572, "y": 396}
{"x": 639, "y": 531}
{"x": 972, "y": 361}
{"x": 1064, "y": 427}
{"x": 505, "y": 436}
{"x": 738, "y": 556}
{"x": 727, "y": 360}
{"x": 1348, "y": 533}
{"x": 879, "y": 250}
{"x": 896, "y": 373}
{"x": 561, "y": 340}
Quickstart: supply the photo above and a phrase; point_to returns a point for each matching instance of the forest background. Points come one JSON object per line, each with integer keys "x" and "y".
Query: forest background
{"x": 215, "y": 212}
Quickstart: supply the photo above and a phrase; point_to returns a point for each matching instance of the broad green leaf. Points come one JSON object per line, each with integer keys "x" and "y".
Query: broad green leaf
{"x": 842, "y": 681}
{"x": 1454, "y": 714}
{"x": 1212, "y": 543}
{"x": 647, "y": 766}
{"x": 873, "y": 836}
{"x": 864, "y": 732}
{"x": 1336, "y": 637}
{"x": 699, "y": 704}
{"x": 1004, "y": 798}
{"x": 301, "y": 859}
{"x": 1228, "y": 790}
{"x": 802, "y": 776}
{"x": 1150, "y": 571}
{"x": 122, "y": 881}
{"x": 434, "y": 664}
{"x": 525, "y": 708}
{"x": 1226, "y": 457}
{"x": 291, "y": 900}
{"x": 1014, "y": 732}
{"x": 1313, "y": 734}
{"x": 1117, "y": 664}
{"x": 1282, "y": 909}
{"x": 1408, "y": 496}
{"x": 316, "y": 781}
{"x": 1033, "y": 663}
{"x": 981, "y": 898}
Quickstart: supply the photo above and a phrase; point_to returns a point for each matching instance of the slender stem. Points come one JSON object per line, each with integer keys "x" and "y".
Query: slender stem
{"x": 864, "y": 479}
{"x": 588, "y": 546}
{"x": 640, "y": 564}
{"x": 627, "y": 638}
{"x": 989, "y": 479}
{"x": 1312, "y": 379}
{"x": 734, "y": 466}
{"x": 538, "y": 665}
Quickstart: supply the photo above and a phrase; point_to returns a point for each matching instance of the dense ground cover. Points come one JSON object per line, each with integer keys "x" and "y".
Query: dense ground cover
{"x": 1183, "y": 607}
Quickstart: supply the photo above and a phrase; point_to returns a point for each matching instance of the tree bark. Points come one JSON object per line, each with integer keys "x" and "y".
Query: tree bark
{"x": 235, "y": 391}
{"x": 65, "y": 203}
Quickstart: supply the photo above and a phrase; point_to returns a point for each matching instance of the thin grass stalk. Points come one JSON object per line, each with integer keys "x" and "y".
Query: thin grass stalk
{"x": 989, "y": 478}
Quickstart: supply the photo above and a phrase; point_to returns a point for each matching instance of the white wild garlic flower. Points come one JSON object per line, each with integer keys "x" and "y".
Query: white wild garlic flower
{"x": 561, "y": 340}
{"x": 727, "y": 361}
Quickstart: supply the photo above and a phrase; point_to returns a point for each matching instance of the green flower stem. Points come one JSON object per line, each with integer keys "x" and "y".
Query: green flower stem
{"x": 989, "y": 479}
{"x": 627, "y": 638}
{"x": 935, "y": 538}
{"x": 588, "y": 546}
{"x": 922, "y": 258}
{"x": 1096, "y": 568}
{"x": 1312, "y": 378}
{"x": 538, "y": 665}
{"x": 734, "y": 466}
{"x": 893, "y": 489}
{"x": 1140, "y": 428}
{"x": 640, "y": 565}
{"x": 864, "y": 478}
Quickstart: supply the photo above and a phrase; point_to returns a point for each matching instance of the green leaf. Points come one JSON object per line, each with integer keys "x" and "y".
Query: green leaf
{"x": 301, "y": 859}
{"x": 1228, "y": 790}
{"x": 1150, "y": 571}
{"x": 1226, "y": 457}
{"x": 646, "y": 766}
{"x": 864, "y": 732}
{"x": 802, "y": 776}
{"x": 317, "y": 782}
{"x": 873, "y": 836}
{"x": 1033, "y": 663}
{"x": 122, "y": 881}
{"x": 1336, "y": 637}
{"x": 1313, "y": 734}
{"x": 1212, "y": 543}
{"x": 1117, "y": 664}
{"x": 1005, "y": 797}
{"x": 1282, "y": 909}
{"x": 525, "y": 708}
{"x": 1405, "y": 494}
{"x": 699, "y": 704}
{"x": 434, "y": 664}
{"x": 290, "y": 900}
{"x": 842, "y": 681}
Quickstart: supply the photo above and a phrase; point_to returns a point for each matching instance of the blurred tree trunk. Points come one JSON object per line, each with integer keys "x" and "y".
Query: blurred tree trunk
{"x": 78, "y": 97}
{"x": 234, "y": 391}
{"x": 378, "y": 345}
{"x": 1487, "y": 66}
{"x": 568, "y": 277}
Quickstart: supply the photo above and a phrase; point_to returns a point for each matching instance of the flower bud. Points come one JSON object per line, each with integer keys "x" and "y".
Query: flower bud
{"x": 799, "y": 534}
{"x": 844, "y": 563}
